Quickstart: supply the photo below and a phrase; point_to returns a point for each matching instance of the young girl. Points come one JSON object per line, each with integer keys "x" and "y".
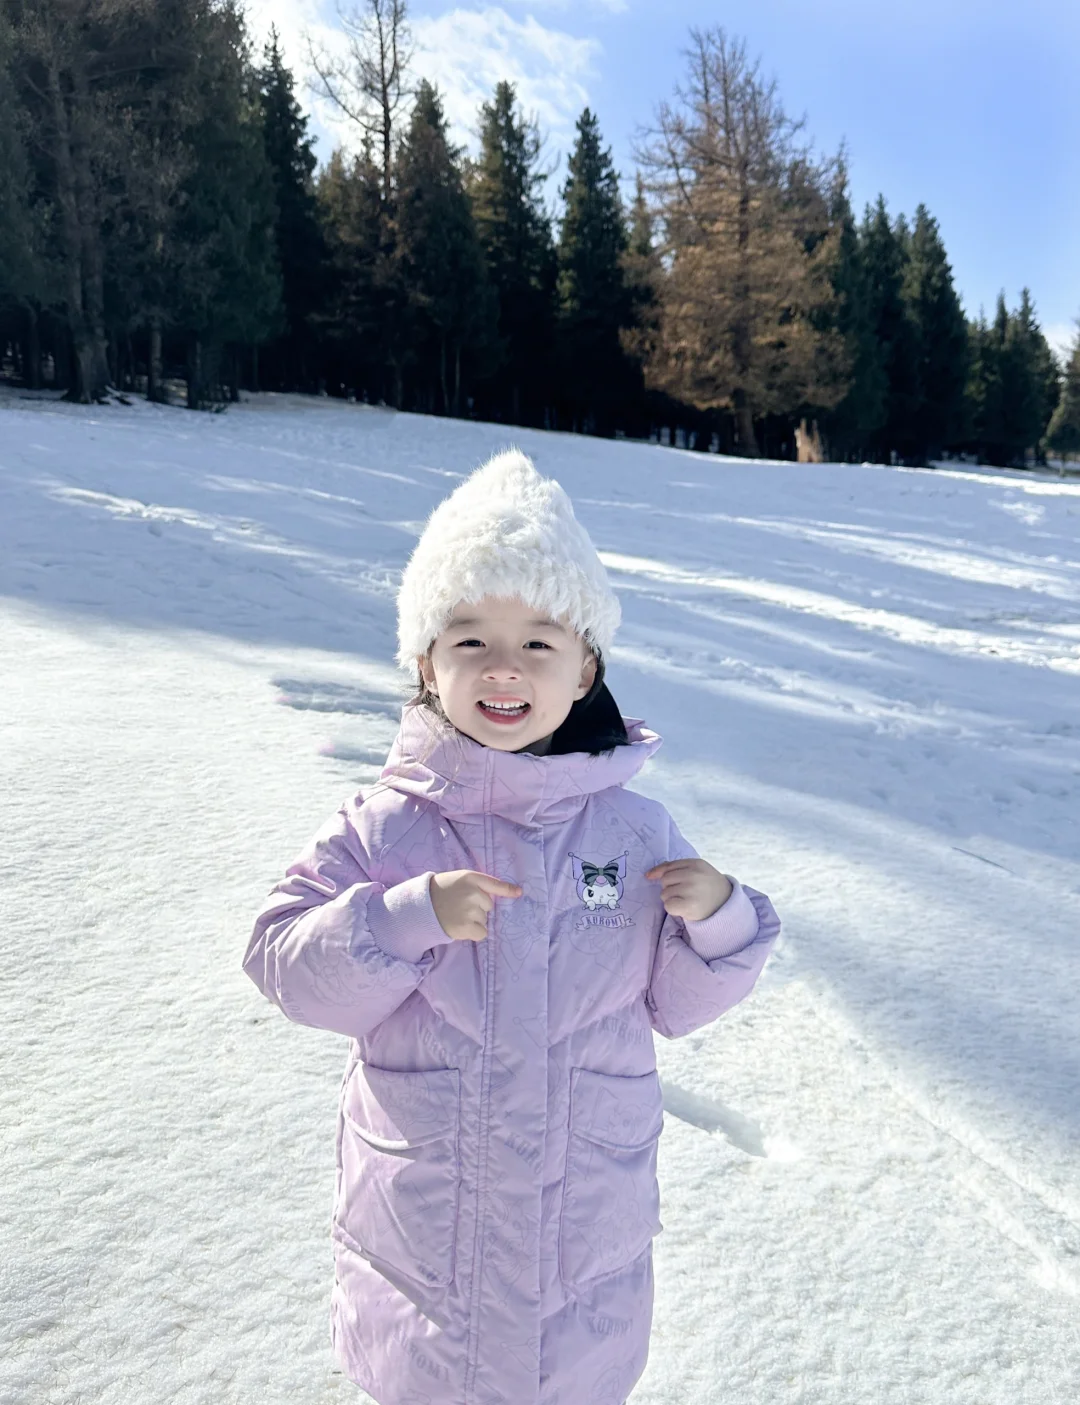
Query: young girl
{"x": 500, "y": 925}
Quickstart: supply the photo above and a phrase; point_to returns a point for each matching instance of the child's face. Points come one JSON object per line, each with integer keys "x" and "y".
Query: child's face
{"x": 503, "y": 650}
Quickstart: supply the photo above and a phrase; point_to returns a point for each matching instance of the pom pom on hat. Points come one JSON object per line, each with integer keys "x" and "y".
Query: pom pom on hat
{"x": 504, "y": 531}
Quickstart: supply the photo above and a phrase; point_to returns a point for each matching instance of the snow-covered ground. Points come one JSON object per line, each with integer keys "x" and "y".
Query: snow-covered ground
{"x": 867, "y": 680}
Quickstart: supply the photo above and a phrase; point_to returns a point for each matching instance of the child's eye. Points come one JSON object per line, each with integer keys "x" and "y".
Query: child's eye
{"x": 462, "y": 642}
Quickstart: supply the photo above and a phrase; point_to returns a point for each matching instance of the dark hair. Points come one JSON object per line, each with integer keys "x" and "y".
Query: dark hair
{"x": 593, "y": 724}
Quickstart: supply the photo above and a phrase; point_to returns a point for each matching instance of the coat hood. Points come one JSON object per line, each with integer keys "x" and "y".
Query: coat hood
{"x": 434, "y": 761}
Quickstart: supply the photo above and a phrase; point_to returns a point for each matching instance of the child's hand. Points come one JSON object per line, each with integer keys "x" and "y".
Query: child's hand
{"x": 463, "y": 898}
{"x": 691, "y": 888}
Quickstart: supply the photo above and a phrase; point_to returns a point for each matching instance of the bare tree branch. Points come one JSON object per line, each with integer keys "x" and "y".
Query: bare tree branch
{"x": 368, "y": 83}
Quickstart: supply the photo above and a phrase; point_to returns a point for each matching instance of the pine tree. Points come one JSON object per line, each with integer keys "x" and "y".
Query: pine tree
{"x": 64, "y": 64}
{"x": 366, "y": 321}
{"x": 1049, "y": 376}
{"x": 643, "y": 275}
{"x": 289, "y": 362}
{"x": 147, "y": 255}
{"x": 852, "y": 426}
{"x": 985, "y": 386}
{"x": 885, "y": 260}
{"x": 939, "y": 421}
{"x": 515, "y": 235}
{"x": 23, "y": 272}
{"x": 229, "y": 284}
{"x": 1025, "y": 387}
{"x": 441, "y": 264}
{"x": 642, "y": 269}
{"x": 1063, "y": 435}
{"x": 594, "y": 302}
{"x": 15, "y": 223}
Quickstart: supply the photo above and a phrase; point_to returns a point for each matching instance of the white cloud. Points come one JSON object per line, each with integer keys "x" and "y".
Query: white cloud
{"x": 465, "y": 53}
{"x": 302, "y": 23}
{"x": 291, "y": 17}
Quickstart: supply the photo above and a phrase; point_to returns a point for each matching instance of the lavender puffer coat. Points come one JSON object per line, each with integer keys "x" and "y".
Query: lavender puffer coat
{"x": 496, "y": 1195}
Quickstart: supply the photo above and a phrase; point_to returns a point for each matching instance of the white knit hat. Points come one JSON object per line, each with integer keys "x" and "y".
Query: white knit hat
{"x": 504, "y": 531}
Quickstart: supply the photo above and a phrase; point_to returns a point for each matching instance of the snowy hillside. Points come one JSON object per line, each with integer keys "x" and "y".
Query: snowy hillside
{"x": 867, "y": 680}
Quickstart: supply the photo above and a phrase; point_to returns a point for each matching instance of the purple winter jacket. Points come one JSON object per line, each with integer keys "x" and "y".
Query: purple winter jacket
{"x": 496, "y": 1194}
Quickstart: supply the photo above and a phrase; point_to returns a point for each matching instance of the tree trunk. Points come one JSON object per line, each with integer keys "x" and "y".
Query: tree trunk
{"x": 194, "y": 373}
{"x": 32, "y": 350}
{"x": 442, "y": 375}
{"x": 93, "y": 252}
{"x": 457, "y": 379}
{"x": 744, "y": 424}
{"x": 742, "y": 330}
{"x": 155, "y": 388}
{"x": 70, "y": 241}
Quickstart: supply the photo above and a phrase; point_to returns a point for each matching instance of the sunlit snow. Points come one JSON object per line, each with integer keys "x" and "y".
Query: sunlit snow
{"x": 867, "y": 679}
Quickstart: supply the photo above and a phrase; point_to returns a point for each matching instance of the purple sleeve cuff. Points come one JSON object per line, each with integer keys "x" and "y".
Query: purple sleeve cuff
{"x": 402, "y": 920}
{"x": 732, "y": 926}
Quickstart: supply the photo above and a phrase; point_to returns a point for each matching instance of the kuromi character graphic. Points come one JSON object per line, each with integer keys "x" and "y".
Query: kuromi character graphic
{"x": 600, "y": 887}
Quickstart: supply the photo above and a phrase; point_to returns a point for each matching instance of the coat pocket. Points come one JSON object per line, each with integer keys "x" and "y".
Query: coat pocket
{"x": 611, "y": 1199}
{"x": 401, "y": 1173}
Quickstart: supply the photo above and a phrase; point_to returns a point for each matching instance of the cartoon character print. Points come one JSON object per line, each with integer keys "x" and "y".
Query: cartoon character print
{"x": 600, "y": 890}
{"x": 600, "y": 886}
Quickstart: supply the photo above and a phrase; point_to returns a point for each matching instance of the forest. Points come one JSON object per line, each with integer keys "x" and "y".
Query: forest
{"x": 166, "y": 230}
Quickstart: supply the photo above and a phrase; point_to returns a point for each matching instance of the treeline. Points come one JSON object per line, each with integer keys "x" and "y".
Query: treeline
{"x": 163, "y": 218}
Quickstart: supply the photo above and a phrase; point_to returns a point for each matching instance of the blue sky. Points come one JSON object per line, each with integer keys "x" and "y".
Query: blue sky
{"x": 972, "y": 106}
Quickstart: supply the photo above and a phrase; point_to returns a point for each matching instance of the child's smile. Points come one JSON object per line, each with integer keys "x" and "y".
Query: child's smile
{"x": 503, "y": 712}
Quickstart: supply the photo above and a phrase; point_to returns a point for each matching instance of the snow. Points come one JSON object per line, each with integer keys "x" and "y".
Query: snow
{"x": 866, "y": 678}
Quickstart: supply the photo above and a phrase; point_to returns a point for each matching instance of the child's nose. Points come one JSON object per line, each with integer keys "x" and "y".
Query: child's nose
{"x": 499, "y": 665}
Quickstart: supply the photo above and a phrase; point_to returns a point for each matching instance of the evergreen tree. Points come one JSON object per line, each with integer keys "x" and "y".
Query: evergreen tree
{"x": 229, "y": 285}
{"x": 16, "y": 277}
{"x": 1063, "y": 434}
{"x": 441, "y": 264}
{"x": 23, "y": 272}
{"x": 852, "y": 426}
{"x": 987, "y": 340}
{"x": 939, "y": 421}
{"x": 515, "y": 235}
{"x": 150, "y": 179}
{"x": 642, "y": 271}
{"x": 885, "y": 261}
{"x": 593, "y": 300}
{"x": 643, "y": 275}
{"x": 352, "y": 323}
{"x": 1049, "y": 376}
{"x": 289, "y": 362}
{"x": 146, "y": 253}
{"x": 65, "y": 52}
{"x": 1025, "y": 384}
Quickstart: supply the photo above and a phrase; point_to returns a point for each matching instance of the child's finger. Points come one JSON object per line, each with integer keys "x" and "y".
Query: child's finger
{"x": 658, "y": 870}
{"x": 672, "y": 866}
{"x": 499, "y": 887}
